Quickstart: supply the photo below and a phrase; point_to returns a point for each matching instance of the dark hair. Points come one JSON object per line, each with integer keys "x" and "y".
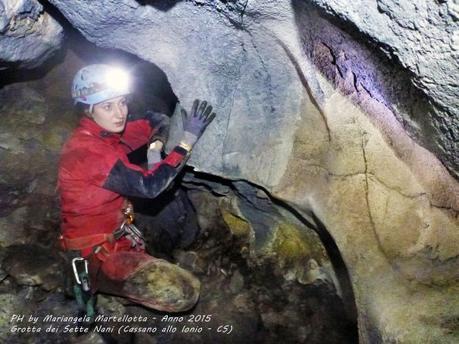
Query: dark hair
{"x": 81, "y": 109}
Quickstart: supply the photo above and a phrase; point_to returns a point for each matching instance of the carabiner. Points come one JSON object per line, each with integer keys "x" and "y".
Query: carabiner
{"x": 75, "y": 270}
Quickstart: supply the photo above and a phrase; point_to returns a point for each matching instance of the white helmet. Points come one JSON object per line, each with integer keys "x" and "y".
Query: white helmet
{"x": 99, "y": 82}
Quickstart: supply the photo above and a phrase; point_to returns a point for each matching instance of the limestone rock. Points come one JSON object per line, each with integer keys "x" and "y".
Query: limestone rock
{"x": 236, "y": 283}
{"x": 230, "y": 51}
{"x": 12, "y": 228}
{"x": 31, "y": 136}
{"x": 267, "y": 238}
{"x": 32, "y": 265}
{"x": 28, "y": 34}
{"x": 12, "y": 303}
{"x": 422, "y": 36}
{"x": 338, "y": 154}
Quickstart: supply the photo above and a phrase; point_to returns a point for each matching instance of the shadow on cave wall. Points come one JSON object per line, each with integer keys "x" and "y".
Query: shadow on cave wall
{"x": 164, "y": 5}
{"x": 251, "y": 193}
{"x": 335, "y": 258}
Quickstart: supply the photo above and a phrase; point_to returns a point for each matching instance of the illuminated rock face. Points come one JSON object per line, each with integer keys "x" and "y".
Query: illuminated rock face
{"x": 28, "y": 35}
{"x": 422, "y": 37}
{"x": 201, "y": 43}
{"x": 300, "y": 115}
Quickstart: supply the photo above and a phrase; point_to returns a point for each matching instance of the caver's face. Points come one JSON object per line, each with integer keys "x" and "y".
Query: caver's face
{"x": 111, "y": 114}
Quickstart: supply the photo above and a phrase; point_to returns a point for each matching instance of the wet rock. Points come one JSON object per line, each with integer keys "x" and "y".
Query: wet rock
{"x": 32, "y": 109}
{"x": 236, "y": 282}
{"x": 267, "y": 237}
{"x": 313, "y": 274}
{"x": 31, "y": 139}
{"x": 190, "y": 260}
{"x": 60, "y": 312}
{"x": 25, "y": 152}
{"x": 257, "y": 284}
{"x": 238, "y": 226}
{"x": 3, "y": 275}
{"x": 289, "y": 244}
{"x": 12, "y": 303}
{"x": 110, "y": 304}
{"x": 33, "y": 265}
{"x": 243, "y": 320}
{"x": 31, "y": 224}
{"x": 10, "y": 143}
{"x": 12, "y": 227}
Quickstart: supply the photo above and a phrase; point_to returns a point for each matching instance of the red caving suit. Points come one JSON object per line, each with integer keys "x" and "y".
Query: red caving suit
{"x": 95, "y": 177}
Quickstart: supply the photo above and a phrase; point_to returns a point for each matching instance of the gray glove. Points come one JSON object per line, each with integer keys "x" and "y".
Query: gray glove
{"x": 196, "y": 122}
{"x": 154, "y": 153}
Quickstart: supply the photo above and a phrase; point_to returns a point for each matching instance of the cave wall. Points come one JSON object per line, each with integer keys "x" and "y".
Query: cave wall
{"x": 28, "y": 34}
{"x": 422, "y": 37}
{"x": 300, "y": 115}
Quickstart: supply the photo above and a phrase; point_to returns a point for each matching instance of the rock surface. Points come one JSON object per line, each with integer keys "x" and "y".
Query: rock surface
{"x": 28, "y": 34}
{"x": 422, "y": 37}
{"x": 31, "y": 136}
{"x": 252, "y": 277}
{"x": 32, "y": 265}
{"x": 329, "y": 147}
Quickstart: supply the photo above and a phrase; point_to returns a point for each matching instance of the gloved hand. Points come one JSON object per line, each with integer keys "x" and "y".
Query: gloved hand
{"x": 196, "y": 122}
{"x": 161, "y": 122}
{"x": 154, "y": 153}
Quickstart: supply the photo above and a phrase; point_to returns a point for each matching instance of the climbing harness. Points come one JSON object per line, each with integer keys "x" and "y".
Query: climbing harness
{"x": 126, "y": 229}
{"x": 99, "y": 242}
{"x": 82, "y": 288}
{"x": 132, "y": 233}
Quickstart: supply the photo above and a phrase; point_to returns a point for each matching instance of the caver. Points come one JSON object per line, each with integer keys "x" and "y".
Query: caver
{"x": 95, "y": 180}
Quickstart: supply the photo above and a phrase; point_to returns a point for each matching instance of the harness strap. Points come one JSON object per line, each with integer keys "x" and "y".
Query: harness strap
{"x": 87, "y": 241}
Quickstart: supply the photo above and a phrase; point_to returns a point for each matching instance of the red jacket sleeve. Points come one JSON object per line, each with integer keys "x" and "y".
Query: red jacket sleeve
{"x": 131, "y": 180}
